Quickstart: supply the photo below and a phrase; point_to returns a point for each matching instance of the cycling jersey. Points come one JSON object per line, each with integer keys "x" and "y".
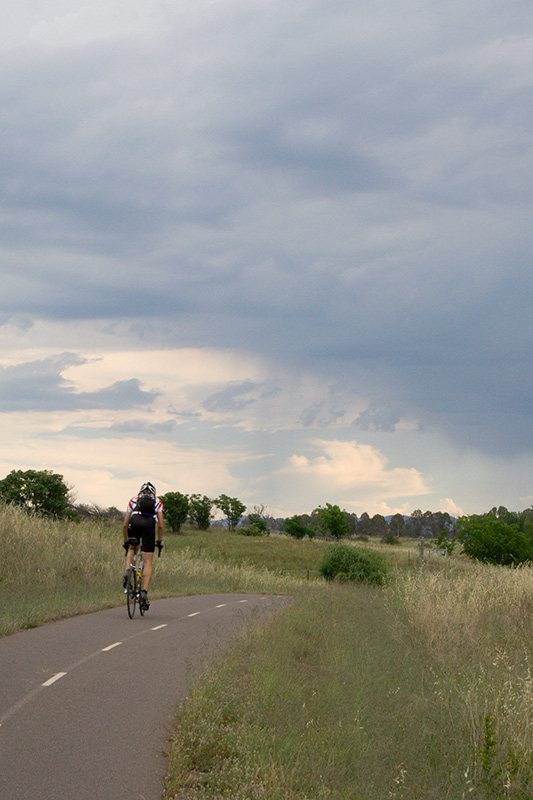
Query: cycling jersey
{"x": 133, "y": 502}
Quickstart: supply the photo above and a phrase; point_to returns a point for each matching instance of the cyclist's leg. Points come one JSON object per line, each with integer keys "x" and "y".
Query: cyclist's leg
{"x": 134, "y": 537}
{"x": 147, "y": 571}
{"x": 148, "y": 547}
{"x": 130, "y": 555}
{"x": 134, "y": 533}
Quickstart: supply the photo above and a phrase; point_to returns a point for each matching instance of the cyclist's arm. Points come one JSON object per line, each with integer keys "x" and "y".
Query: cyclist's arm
{"x": 125, "y": 532}
{"x": 160, "y": 526}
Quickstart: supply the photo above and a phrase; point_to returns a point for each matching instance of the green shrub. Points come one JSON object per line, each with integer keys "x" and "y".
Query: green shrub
{"x": 347, "y": 563}
{"x": 253, "y": 529}
{"x": 296, "y": 527}
{"x": 494, "y": 541}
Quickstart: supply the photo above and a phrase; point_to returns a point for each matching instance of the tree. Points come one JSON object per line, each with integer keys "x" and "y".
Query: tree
{"x": 40, "y": 491}
{"x": 441, "y": 523}
{"x": 296, "y": 527}
{"x": 257, "y": 524}
{"x": 379, "y": 526}
{"x": 175, "y": 509}
{"x": 492, "y": 540}
{"x": 396, "y": 524}
{"x": 200, "y": 511}
{"x": 232, "y": 508}
{"x": 333, "y": 521}
{"x": 364, "y": 525}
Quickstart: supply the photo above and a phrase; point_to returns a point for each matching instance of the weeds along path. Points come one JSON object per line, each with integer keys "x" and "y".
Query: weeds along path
{"x": 423, "y": 690}
{"x": 332, "y": 699}
{"x": 86, "y": 702}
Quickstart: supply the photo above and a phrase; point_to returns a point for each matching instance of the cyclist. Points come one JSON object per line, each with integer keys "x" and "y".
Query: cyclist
{"x": 144, "y": 512}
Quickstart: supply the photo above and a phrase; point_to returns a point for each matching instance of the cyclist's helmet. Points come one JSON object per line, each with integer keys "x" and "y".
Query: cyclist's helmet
{"x": 147, "y": 488}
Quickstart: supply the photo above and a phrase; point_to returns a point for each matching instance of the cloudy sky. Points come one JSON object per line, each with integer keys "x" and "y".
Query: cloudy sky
{"x": 280, "y": 249}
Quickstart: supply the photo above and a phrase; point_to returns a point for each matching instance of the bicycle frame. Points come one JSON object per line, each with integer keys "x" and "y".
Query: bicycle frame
{"x": 134, "y": 585}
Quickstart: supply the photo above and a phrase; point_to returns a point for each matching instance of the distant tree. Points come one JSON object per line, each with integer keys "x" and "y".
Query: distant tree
{"x": 257, "y": 522}
{"x": 505, "y": 515}
{"x": 94, "y": 511}
{"x": 175, "y": 509}
{"x": 396, "y": 524}
{"x": 114, "y": 514}
{"x": 256, "y": 526}
{"x": 440, "y": 523}
{"x": 40, "y": 491}
{"x": 417, "y": 523}
{"x": 526, "y": 522}
{"x": 232, "y": 508}
{"x": 200, "y": 511}
{"x": 490, "y": 539}
{"x": 333, "y": 521}
{"x": 312, "y": 522}
{"x": 364, "y": 526}
{"x": 379, "y": 526}
{"x": 296, "y": 527}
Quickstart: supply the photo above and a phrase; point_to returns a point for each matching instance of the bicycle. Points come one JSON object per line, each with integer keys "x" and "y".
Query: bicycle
{"x": 134, "y": 584}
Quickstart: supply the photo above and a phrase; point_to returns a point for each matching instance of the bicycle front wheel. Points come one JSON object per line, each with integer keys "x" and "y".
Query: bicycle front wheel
{"x": 131, "y": 592}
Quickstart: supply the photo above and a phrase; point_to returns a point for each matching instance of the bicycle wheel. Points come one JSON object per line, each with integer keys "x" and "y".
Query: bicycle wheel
{"x": 131, "y": 591}
{"x": 142, "y": 608}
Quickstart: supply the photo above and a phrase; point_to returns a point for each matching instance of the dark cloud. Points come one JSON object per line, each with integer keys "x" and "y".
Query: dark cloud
{"x": 39, "y": 386}
{"x": 234, "y": 397}
{"x": 377, "y": 419}
{"x": 342, "y": 186}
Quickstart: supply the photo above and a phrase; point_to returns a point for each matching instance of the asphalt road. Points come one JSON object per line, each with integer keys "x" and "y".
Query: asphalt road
{"x": 86, "y": 703}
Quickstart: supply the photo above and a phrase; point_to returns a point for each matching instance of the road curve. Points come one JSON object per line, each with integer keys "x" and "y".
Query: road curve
{"x": 86, "y": 702}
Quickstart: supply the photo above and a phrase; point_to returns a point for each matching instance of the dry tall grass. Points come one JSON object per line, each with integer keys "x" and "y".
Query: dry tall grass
{"x": 476, "y": 623}
{"x": 52, "y": 568}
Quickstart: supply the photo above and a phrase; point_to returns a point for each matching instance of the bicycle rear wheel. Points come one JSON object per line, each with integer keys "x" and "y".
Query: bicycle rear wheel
{"x": 131, "y": 591}
{"x": 142, "y": 607}
{"x": 139, "y": 569}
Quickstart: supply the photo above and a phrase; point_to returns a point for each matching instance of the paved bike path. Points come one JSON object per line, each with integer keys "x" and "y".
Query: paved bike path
{"x": 86, "y": 703}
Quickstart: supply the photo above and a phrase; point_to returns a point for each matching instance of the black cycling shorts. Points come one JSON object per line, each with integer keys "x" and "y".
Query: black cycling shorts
{"x": 142, "y": 529}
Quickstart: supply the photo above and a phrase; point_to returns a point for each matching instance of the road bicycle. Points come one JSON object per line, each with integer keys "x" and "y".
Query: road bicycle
{"x": 134, "y": 585}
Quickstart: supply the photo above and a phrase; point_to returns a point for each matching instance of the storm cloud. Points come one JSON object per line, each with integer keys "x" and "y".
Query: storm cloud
{"x": 340, "y": 190}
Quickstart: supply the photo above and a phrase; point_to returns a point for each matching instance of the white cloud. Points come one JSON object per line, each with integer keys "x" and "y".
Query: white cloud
{"x": 356, "y": 472}
{"x": 447, "y": 504}
{"x": 104, "y": 470}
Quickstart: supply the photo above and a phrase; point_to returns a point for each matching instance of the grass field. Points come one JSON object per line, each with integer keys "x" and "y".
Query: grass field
{"x": 421, "y": 689}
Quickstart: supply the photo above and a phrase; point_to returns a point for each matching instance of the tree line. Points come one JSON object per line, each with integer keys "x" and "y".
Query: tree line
{"x": 45, "y": 493}
{"x": 499, "y": 536}
{"x": 331, "y": 521}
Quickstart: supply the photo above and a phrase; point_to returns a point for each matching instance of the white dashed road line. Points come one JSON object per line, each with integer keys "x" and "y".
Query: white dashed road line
{"x": 55, "y": 678}
{"x": 31, "y": 695}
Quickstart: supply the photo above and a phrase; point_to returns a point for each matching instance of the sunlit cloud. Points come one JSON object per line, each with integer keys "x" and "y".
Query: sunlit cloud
{"x": 357, "y": 472}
